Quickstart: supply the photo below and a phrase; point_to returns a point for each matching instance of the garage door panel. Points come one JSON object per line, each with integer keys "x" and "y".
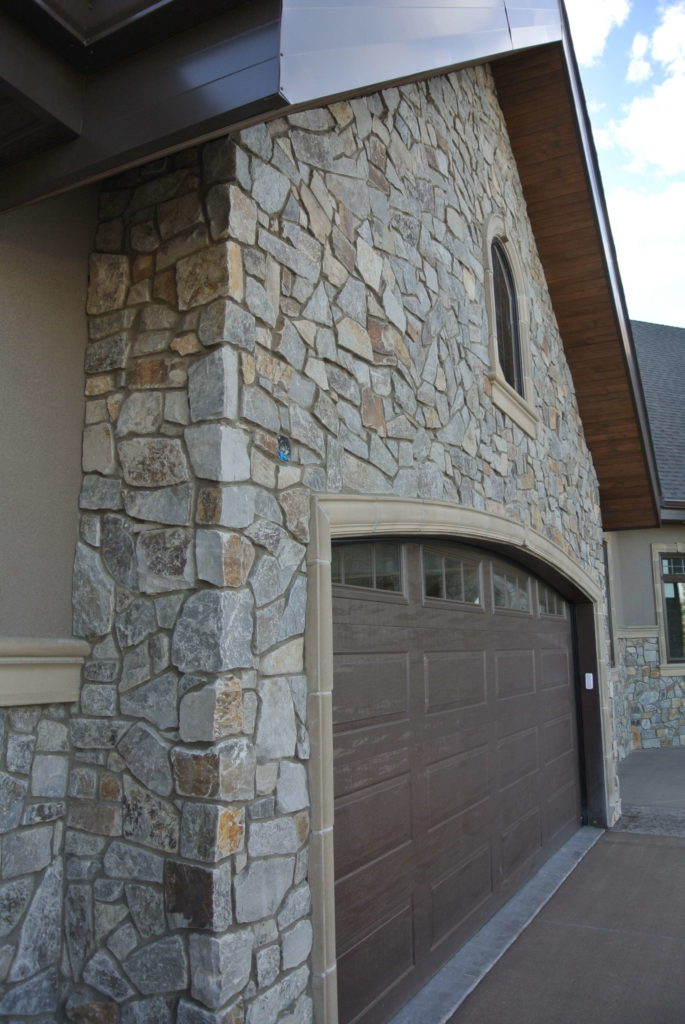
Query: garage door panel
{"x": 376, "y": 964}
{"x": 364, "y": 757}
{"x": 370, "y": 687}
{"x": 514, "y": 674}
{"x": 555, "y": 669}
{"x": 520, "y": 841}
{"x": 371, "y": 823}
{"x": 456, "y": 773}
{"x": 454, "y": 679}
{"x": 455, "y": 784}
{"x": 517, "y": 756}
{"x": 460, "y": 892}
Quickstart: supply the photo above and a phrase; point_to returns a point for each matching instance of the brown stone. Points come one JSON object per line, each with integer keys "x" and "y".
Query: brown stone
{"x": 101, "y": 384}
{"x": 108, "y": 282}
{"x": 160, "y": 372}
{"x": 93, "y": 1013}
{"x": 302, "y": 825}
{"x": 110, "y": 788}
{"x": 197, "y": 897}
{"x": 209, "y": 503}
{"x": 153, "y": 462}
{"x": 142, "y": 268}
{"x": 295, "y": 505}
{"x": 196, "y": 773}
{"x": 230, "y": 830}
{"x": 179, "y": 214}
{"x": 372, "y": 411}
{"x": 102, "y": 819}
{"x": 164, "y": 287}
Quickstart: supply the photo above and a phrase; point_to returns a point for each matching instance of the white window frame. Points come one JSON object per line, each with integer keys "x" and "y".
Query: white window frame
{"x": 666, "y": 667}
{"x": 517, "y": 407}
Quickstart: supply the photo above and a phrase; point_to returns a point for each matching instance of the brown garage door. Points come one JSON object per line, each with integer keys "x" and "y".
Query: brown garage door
{"x": 456, "y": 765}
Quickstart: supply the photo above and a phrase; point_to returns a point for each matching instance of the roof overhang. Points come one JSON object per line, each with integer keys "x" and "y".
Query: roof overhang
{"x": 82, "y": 99}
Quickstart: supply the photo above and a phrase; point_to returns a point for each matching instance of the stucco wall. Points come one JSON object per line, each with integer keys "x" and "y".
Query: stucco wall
{"x": 43, "y": 279}
{"x": 297, "y": 310}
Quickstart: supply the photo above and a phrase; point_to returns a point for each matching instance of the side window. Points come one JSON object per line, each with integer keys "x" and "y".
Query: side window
{"x": 673, "y": 597}
{"x": 510, "y": 373}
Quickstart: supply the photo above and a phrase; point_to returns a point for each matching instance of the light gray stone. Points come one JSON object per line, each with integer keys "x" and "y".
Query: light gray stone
{"x": 149, "y": 820}
{"x": 98, "y": 449}
{"x": 259, "y": 303}
{"x": 166, "y": 560}
{"x": 157, "y": 701}
{"x": 276, "y": 731}
{"x": 218, "y": 452}
{"x": 20, "y": 753}
{"x": 296, "y": 944}
{"x": 292, "y": 793}
{"x": 108, "y": 354}
{"x": 220, "y": 967}
{"x": 136, "y": 668}
{"x": 224, "y": 559}
{"x": 283, "y": 619}
{"x": 108, "y": 282}
{"x": 268, "y": 965}
{"x": 224, "y": 321}
{"x": 99, "y": 492}
{"x": 102, "y": 973}
{"x": 140, "y": 413}
{"x": 281, "y": 835}
{"x": 214, "y": 632}
{"x": 118, "y": 550}
{"x": 213, "y": 386}
{"x": 26, "y": 851}
{"x": 147, "y": 757}
{"x": 146, "y": 904}
{"x": 93, "y": 594}
{"x": 270, "y": 187}
{"x": 210, "y": 832}
{"x": 14, "y": 899}
{"x": 212, "y": 711}
{"x": 266, "y": 1008}
{"x": 153, "y": 462}
{"x": 78, "y": 927}
{"x": 125, "y": 861}
{"x": 260, "y": 887}
{"x": 168, "y": 505}
{"x": 37, "y": 995}
{"x": 49, "y": 775}
{"x": 147, "y": 1011}
{"x": 135, "y": 623}
{"x": 297, "y": 904}
{"x": 159, "y": 967}
{"x": 12, "y": 793}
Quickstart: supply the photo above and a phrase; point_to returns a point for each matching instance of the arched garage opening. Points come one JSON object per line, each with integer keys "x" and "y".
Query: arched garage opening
{"x": 454, "y": 748}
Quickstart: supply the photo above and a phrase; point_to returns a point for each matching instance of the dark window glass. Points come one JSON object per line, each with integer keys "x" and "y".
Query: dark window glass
{"x": 551, "y": 603}
{"x": 450, "y": 579}
{"x": 506, "y": 318}
{"x": 511, "y": 591}
{"x": 673, "y": 591}
{"x": 373, "y": 566}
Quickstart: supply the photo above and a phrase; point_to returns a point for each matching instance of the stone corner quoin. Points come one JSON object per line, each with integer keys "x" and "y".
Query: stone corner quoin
{"x": 296, "y": 309}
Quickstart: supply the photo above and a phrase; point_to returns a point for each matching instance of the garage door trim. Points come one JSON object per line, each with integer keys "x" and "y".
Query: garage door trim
{"x": 347, "y": 516}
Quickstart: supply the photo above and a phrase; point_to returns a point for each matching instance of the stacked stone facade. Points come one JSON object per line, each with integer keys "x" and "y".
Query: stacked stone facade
{"x": 299, "y": 309}
{"x": 655, "y": 701}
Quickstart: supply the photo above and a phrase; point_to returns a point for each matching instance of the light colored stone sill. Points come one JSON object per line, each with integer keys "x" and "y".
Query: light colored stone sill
{"x": 514, "y": 406}
{"x": 636, "y": 632}
{"x": 40, "y": 670}
{"x": 676, "y": 669}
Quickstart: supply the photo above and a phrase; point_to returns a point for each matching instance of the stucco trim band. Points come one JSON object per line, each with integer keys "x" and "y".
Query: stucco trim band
{"x": 351, "y": 516}
{"x": 40, "y": 670}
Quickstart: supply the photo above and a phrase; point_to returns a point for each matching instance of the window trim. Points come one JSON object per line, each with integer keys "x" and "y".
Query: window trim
{"x": 518, "y": 407}
{"x": 666, "y": 667}
{"x": 40, "y": 670}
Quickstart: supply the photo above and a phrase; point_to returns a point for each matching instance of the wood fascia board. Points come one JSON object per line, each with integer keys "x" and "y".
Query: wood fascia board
{"x": 191, "y": 88}
{"x": 36, "y": 78}
{"x": 562, "y": 238}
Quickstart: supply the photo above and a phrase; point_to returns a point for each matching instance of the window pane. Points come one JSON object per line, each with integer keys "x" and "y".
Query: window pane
{"x": 500, "y": 587}
{"x": 388, "y": 572}
{"x": 453, "y": 586}
{"x": 358, "y": 565}
{"x": 506, "y": 318}
{"x": 674, "y": 594}
{"x": 336, "y": 566}
{"x": 471, "y": 585}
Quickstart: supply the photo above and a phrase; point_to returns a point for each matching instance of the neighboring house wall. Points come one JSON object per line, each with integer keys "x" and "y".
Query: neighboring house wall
{"x": 654, "y": 690}
{"x": 299, "y": 311}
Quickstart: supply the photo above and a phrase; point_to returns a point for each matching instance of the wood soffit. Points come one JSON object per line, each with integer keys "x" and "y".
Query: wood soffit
{"x": 132, "y": 63}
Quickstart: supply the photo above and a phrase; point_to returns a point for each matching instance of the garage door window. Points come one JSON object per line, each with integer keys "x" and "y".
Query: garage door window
{"x": 511, "y": 591}
{"x": 373, "y": 566}
{"x": 450, "y": 579}
{"x": 550, "y": 602}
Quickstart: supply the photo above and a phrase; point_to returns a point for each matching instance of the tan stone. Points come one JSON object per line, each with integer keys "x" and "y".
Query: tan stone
{"x": 101, "y": 384}
{"x": 355, "y": 338}
{"x": 179, "y": 214}
{"x": 213, "y": 273}
{"x": 161, "y": 372}
{"x": 230, "y": 831}
{"x": 108, "y": 282}
{"x": 248, "y": 366}
{"x": 242, "y": 218}
{"x": 143, "y": 266}
{"x": 295, "y": 505}
{"x": 164, "y": 287}
{"x": 372, "y": 411}
{"x": 140, "y": 292}
{"x": 186, "y": 344}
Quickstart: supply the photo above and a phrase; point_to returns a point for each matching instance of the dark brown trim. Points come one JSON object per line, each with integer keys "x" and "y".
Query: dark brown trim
{"x": 590, "y": 717}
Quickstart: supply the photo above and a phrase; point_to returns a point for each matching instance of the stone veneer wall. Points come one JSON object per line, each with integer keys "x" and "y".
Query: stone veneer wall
{"x": 656, "y": 702}
{"x": 299, "y": 309}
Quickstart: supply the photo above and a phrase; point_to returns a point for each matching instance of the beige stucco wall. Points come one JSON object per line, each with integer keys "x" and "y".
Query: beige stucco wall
{"x": 43, "y": 279}
{"x": 632, "y": 582}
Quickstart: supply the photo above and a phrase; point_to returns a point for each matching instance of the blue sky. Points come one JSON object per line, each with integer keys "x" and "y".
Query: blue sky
{"x": 632, "y": 61}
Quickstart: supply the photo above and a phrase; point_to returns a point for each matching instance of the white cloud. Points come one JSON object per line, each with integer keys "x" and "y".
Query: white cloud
{"x": 591, "y": 22}
{"x": 651, "y": 131}
{"x": 668, "y": 41}
{"x": 649, "y": 232}
{"x": 639, "y": 69}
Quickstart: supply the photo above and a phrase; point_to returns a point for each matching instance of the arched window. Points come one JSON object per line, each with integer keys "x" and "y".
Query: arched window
{"x": 506, "y": 318}
{"x": 506, "y": 291}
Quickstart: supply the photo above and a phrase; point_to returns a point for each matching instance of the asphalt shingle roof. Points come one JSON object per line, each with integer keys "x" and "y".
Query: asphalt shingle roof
{"x": 661, "y": 360}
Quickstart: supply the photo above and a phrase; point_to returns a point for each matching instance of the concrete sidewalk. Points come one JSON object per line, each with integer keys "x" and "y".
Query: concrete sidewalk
{"x": 597, "y": 936}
